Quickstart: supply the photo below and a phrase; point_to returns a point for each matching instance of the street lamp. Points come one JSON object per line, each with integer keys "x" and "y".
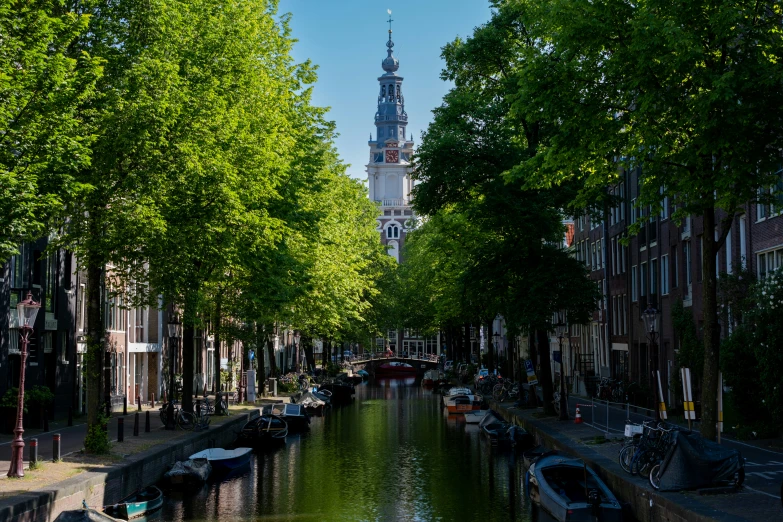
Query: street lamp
{"x": 494, "y": 348}
{"x": 174, "y": 333}
{"x": 561, "y": 329}
{"x": 651, "y": 318}
{"x": 27, "y": 311}
{"x": 297, "y": 336}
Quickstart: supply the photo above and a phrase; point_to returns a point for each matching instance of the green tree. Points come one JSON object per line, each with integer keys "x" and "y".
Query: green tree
{"x": 687, "y": 93}
{"x": 43, "y": 92}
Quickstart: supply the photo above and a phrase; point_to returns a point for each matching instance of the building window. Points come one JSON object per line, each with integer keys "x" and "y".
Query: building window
{"x": 634, "y": 291}
{"x": 664, "y": 275}
{"x": 602, "y": 246}
{"x": 769, "y": 262}
{"x": 18, "y": 265}
{"x": 729, "y": 254}
{"x": 51, "y": 283}
{"x": 633, "y": 211}
{"x": 393, "y": 232}
{"x": 625, "y": 314}
{"x": 686, "y": 254}
{"x": 743, "y": 246}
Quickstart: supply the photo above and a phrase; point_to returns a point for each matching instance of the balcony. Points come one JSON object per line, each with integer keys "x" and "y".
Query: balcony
{"x": 398, "y": 202}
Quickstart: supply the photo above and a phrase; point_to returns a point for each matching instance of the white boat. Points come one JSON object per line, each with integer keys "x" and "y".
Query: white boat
{"x": 475, "y": 416}
{"x": 463, "y": 403}
{"x": 225, "y": 459}
{"x": 456, "y": 390}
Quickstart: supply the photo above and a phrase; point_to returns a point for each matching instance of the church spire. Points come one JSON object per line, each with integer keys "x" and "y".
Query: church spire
{"x": 390, "y": 64}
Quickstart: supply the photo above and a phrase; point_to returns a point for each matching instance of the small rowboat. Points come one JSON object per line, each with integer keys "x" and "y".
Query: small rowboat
{"x": 140, "y": 504}
{"x": 475, "y": 416}
{"x": 223, "y": 459}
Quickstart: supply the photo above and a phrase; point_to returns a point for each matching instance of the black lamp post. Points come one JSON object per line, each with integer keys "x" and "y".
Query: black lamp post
{"x": 174, "y": 334}
{"x": 296, "y": 349}
{"x": 561, "y": 329}
{"x": 651, "y": 318}
{"x": 27, "y": 311}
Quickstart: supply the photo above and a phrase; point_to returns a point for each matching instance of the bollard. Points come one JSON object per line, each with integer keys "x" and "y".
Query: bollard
{"x": 147, "y": 422}
{"x": 55, "y": 447}
{"x": 121, "y": 429}
{"x": 205, "y": 389}
{"x": 70, "y": 415}
{"x": 152, "y": 402}
{"x": 138, "y": 401}
{"x": 125, "y": 405}
{"x": 33, "y": 451}
{"x": 136, "y": 424}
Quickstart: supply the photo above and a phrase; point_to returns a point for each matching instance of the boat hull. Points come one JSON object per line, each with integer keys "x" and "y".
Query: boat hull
{"x": 225, "y": 460}
{"x": 139, "y": 504}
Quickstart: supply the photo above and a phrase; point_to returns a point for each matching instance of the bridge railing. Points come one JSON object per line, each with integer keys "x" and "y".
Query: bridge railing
{"x": 372, "y": 356}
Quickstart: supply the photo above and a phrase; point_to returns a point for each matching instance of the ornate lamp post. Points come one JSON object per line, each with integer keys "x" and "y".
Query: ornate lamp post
{"x": 562, "y": 331}
{"x": 651, "y": 318}
{"x": 296, "y": 349}
{"x": 27, "y": 311}
{"x": 174, "y": 334}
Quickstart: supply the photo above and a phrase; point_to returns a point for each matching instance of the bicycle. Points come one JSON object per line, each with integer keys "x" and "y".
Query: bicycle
{"x": 184, "y": 420}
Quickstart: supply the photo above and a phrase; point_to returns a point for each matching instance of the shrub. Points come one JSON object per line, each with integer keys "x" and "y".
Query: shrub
{"x": 97, "y": 439}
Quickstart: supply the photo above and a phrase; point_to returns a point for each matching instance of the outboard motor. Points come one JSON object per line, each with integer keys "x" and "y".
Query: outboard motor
{"x": 594, "y": 499}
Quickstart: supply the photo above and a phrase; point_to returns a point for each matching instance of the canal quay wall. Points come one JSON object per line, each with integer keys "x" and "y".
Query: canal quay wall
{"x": 646, "y": 504}
{"x": 105, "y": 487}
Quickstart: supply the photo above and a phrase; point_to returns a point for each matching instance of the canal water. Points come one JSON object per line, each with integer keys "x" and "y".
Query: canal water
{"x": 393, "y": 454}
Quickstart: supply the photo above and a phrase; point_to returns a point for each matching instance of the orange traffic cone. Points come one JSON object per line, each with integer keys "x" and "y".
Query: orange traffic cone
{"x": 578, "y": 417}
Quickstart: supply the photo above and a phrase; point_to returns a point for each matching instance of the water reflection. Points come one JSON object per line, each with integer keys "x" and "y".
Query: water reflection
{"x": 394, "y": 454}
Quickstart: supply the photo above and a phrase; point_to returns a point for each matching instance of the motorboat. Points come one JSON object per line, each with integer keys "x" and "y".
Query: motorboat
{"x": 463, "y": 403}
{"x": 364, "y": 374}
{"x": 456, "y": 390}
{"x": 475, "y": 416}
{"x": 223, "y": 459}
{"x": 431, "y": 378}
{"x": 188, "y": 472}
{"x": 83, "y": 515}
{"x": 312, "y": 404}
{"x": 294, "y": 415}
{"x": 139, "y": 504}
{"x": 501, "y": 432}
{"x": 342, "y": 393}
{"x": 568, "y": 490}
{"x": 394, "y": 368}
{"x": 265, "y": 428}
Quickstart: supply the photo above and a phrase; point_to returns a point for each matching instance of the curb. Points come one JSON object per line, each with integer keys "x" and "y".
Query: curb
{"x": 646, "y": 504}
{"x": 101, "y": 488}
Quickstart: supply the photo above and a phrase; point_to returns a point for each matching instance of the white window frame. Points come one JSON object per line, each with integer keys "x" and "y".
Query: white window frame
{"x": 634, "y": 284}
{"x": 665, "y": 274}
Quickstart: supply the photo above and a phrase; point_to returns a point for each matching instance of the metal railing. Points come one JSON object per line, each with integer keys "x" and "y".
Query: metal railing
{"x": 601, "y": 414}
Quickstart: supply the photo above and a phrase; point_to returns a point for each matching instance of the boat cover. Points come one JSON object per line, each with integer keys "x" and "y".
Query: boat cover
{"x": 195, "y": 470}
{"x": 695, "y": 462}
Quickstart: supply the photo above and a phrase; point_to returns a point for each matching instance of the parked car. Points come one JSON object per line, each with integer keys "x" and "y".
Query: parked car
{"x": 347, "y": 353}
{"x": 448, "y": 366}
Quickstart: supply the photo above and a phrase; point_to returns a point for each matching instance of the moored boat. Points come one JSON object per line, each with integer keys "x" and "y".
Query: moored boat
{"x": 431, "y": 378}
{"x": 391, "y": 369}
{"x": 342, "y": 393}
{"x": 264, "y": 429}
{"x": 454, "y": 391}
{"x": 223, "y": 459}
{"x": 568, "y": 490}
{"x": 475, "y": 416}
{"x": 140, "y": 504}
{"x": 312, "y": 404}
{"x": 294, "y": 415}
{"x": 188, "y": 472}
{"x": 463, "y": 403}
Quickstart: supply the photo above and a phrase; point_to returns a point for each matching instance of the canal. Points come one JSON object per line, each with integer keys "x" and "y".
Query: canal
{"x": 391, "y": 455}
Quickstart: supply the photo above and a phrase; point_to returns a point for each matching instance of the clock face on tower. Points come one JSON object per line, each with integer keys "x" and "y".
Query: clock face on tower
{"x": 392, "y": 156}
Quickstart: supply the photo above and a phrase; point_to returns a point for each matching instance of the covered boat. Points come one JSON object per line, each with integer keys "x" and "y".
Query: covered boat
{"x": 83, "y": 515}
{"x": 432, "y": 378}
{"x": 140, "y": 504}
{"x": 312, "y": 403}
{"x": 294, "y": 415}
{"x": 188, "y": 472}
{"x": 393, "y": 368}
{"x": 456, "y": 390}
{"x": 223, "y": 459}
{"x": 265, "y": 428}
{"x": 568, "y": 490}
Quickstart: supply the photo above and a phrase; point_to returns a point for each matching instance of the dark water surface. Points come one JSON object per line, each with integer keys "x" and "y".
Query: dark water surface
{"x": 391, "y": 455}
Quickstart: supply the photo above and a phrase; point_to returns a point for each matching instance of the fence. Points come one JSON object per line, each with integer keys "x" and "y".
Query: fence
{"x": 610, "y": 417}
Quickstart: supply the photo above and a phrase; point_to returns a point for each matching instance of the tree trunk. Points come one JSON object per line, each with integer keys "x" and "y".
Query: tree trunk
{"x": 545, "y": 375}
{"x": 270, "y": 349}
{"x": 260, "y": 355}
{"x": 532, "y": 399}
{"x": 709, "y": 389}
{"x": 94, "y": 360}
{"x": 490, "y": 348}
{"x": 466, "y": 347}
{"x": 323, "y": 355}
{"x": 307, "y": 344}
{"x": 218, "y": 322}
{"x": 188, "y": 338}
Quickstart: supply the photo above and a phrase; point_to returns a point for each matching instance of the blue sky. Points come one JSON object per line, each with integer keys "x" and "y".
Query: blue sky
{"x": 347, "y": 40}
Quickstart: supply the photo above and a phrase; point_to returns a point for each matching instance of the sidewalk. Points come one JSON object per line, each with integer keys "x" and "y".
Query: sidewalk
{"x": 647, "y": 504}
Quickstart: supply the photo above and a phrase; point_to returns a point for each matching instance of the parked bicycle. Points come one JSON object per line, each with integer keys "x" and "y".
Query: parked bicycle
{"x": 508, "y": 389}
{"x": 182, "y": 419}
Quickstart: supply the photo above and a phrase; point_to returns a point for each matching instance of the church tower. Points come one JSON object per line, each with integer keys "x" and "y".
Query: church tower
{"x": 390, "y": 157}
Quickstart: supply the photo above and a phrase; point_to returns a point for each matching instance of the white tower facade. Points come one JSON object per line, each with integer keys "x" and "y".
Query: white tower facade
{"x": 389, "y": 166}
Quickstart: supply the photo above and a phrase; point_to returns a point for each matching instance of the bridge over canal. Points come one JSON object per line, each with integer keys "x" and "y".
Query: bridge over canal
{"x": 370, "y": 361}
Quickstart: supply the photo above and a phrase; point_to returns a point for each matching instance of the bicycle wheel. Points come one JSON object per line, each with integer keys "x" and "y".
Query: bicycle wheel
{"x": 186, "y": 421}
{"x": 223, "y": 407}
{"x": 625, "y": 457}
{"x": 655, "y": 480}
{"x": 497, "y": 391}
{"x": 163, "y": 416}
